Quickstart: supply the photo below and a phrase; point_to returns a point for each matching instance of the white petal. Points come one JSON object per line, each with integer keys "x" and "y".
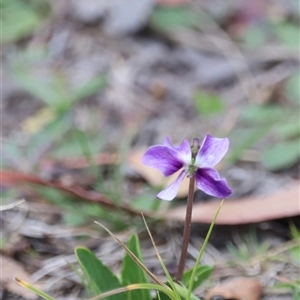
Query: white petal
{"x": 170, "y": 192}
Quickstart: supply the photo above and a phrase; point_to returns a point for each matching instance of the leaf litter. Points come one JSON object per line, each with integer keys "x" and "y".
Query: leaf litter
{"x": 160, "y": 72}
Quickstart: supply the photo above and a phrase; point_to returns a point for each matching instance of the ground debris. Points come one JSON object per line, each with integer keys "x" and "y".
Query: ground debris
{"x": 11, "y": 269}
{"x": 241, "y": 288}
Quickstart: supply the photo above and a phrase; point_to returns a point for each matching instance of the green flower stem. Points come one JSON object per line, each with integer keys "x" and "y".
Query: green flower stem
{"x": 187, "y": 229}
{"x": 190, "y": 286}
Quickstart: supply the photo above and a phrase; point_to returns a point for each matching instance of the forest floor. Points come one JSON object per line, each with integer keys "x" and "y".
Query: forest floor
{"x": 89, "y": 85}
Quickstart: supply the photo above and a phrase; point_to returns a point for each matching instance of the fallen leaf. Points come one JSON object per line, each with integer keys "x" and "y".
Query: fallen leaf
{"x": 280, "y": 204}
{"x": 10, "y": 269}
{"x": 238, "y": 288}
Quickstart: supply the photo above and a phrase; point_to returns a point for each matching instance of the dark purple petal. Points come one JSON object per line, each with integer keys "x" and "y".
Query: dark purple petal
{"x": 184, "y": 150}
{"x": 211, "y": 151}
{"x": 209, "y": 181}
{"x": 163, "y": 158}
{"x": 170, "y": 192}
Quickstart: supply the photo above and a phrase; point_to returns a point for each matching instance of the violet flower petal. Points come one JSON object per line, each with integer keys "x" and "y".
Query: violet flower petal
{"x": 167, "y": 142}
{"x": 211, "y": 151}
{"x": 184, "y": 150}
{"x": 208, "y": 180}
{"x": 163, "y": 158}
{"x": 170, "y": 192}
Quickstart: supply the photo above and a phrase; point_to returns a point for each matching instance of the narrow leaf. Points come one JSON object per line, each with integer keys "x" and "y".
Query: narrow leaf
{"x": 132, "y": 287}
{"x": 282, "y": 155}
{"x": 208, "y": 103}
{"x": 91, "y": 87}
{"x": 193, "y": 275}
{"x": 170, "y": 280}
{"x": 202, "y": 273}
{"x": 33, "y": 289}
{"x": 133, "y": 256}
{"x": 99, "y": 276}
{"x": 132, "y": 273}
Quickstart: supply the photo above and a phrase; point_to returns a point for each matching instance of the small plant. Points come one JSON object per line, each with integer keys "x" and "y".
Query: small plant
{"x": 248, "y": 247}
{"x": 136, "y": 280}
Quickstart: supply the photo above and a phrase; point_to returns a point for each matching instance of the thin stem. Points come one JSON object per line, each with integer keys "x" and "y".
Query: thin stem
{"x": 190, "y": 286}
{"x": 187, "y": 229}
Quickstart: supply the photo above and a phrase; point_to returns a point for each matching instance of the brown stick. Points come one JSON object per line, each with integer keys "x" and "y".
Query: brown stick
{"x": 187, "y": 229}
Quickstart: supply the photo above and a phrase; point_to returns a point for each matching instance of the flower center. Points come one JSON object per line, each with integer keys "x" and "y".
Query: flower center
{"x": 195, "y": 148}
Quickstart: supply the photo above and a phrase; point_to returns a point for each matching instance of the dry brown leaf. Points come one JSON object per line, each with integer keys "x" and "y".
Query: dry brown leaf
{"x": 238, "y": 288}
{"x": 10, "y": 269}
{"x": 151, "y": 175}
{"x": 280, "y": 204}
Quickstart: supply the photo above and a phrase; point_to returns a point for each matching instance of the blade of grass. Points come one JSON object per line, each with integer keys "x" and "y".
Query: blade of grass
{"x": 295, "y": 293}
{"x": 33, "y": 289}
{"x": 170, "y": 280}
{"x": 146, "y": 286}
{"x": 133, "y": 256}
{"x": 85, "y": 147}
{"x": 182, "y": 290}
{"x": 190, "y": 288}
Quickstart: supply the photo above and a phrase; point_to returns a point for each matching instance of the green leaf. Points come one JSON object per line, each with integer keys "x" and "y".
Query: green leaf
{"x": 11, "y": 153}
{"x": 146, "y": 202}
{"x": 91, "y": 87}
{"x": 47, "y": 91}
{"x": 291, "y": 129}
{"x": 202, "y": 249}
{"x": 254, "y": 36}
{"x": 292, "y": 88}
{"x": 208, "y": 103}
{"x": 294, "y": 253}
{"x": 288, "y": 34}
{"x": 132, "y": 273}
{"x": 259, "y": 114}
{"x": 73, "y": 218}
{"x": 48, "y": 135}
{"x": 34, "y": 289}
{"x": 182, "y": 291}
{"x": 19, "y": 19}
{"x": 71, "y": 147}
{"x": 242, "y": 139}
{"x": 295, "y": 293}
{"x": 140, "y": 286}
{"x": 202, "y": 273}
{"x": 99, "y": 276}
{"x": 170, "y": 18}
{"x": 282, "y": 155}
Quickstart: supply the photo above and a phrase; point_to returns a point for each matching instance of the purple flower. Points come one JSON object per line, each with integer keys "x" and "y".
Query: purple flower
{"x": 198, "y": 161}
